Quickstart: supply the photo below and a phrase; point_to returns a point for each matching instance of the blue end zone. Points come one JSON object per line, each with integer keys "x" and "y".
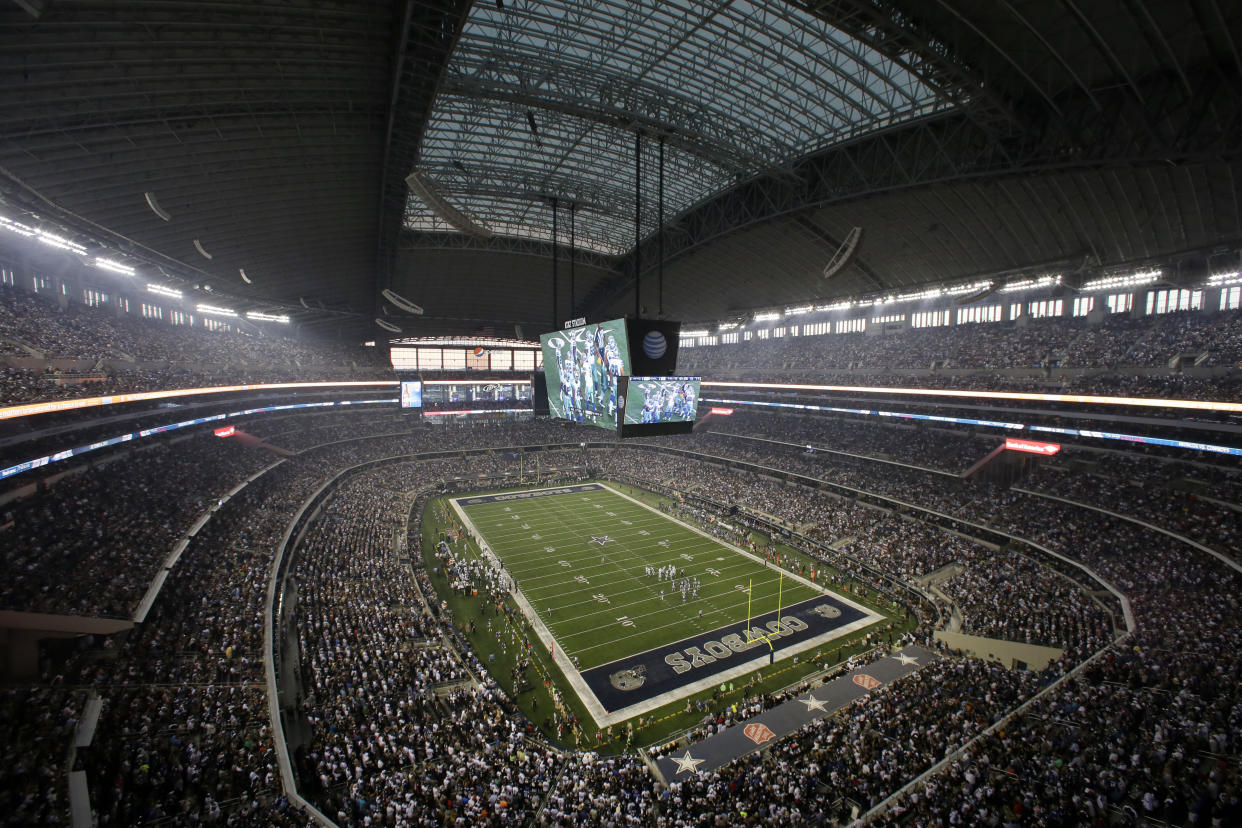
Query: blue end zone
{"x": 629, "y": 681}
{"x": 505, "y": 498}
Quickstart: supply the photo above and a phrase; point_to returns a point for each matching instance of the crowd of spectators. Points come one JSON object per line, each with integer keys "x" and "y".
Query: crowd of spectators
{"x": 77, "y": 331}
{"x": 121, "y": 352}
{"x": 90, "y": 543}
{"x": 410, "y": 729}
{"x": 1034, "y": 343}
{"x": 184, "y": 733}
{"x": 1214, "y": 524}
{"x": 951, "y": 451}
{"x": 385, "y": 743}
{"x": 1136, "y": 750}
{"x": 38, "y": 741}
{"x": 372, "y": 703}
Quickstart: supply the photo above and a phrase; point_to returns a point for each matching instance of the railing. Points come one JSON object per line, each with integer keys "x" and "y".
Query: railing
{"x": 157, "y": 583}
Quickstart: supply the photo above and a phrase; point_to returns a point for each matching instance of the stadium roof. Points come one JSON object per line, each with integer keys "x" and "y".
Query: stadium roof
{"x": 967, "y": 138}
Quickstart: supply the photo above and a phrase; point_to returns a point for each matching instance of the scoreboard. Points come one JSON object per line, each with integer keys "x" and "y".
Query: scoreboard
{"x": 590, "y": 370}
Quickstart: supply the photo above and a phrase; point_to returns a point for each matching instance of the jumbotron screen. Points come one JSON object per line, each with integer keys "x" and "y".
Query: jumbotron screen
{"x": 659, "y": 405}
{"x": 651, "y": 400}
{"x": 582, "y": 366}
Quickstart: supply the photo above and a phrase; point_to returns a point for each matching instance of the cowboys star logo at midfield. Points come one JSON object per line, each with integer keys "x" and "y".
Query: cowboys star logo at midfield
{"x": 601, "y": 540}
{"x": 631, "y": 679}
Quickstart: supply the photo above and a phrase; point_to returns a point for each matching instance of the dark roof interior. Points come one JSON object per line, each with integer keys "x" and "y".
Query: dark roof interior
{"x": 967, "y": 138}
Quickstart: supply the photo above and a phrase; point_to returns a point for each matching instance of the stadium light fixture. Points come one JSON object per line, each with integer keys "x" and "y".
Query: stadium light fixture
{"x": 267, "y": 317}
{"x": 727, "y": 326}
{"x": 17, "y": 227}
{"x": 1131, "y": 280}
{"x": 836, "y": 306}
{"x": 693, "y": 334}
{"x": 771, "y": 316}
{"x": 164, "y": 291}
{"x": 1225, "y": 279}
{"x": 212, "y": 310}
{"x": 1031, "y": 284}
{"x": 60, "y": 242}
{"x": 799, "y": 310}
{"x": 115, "y": 267}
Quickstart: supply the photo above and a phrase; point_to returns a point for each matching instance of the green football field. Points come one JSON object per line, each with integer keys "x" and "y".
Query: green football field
{"x": 581, "y": 558}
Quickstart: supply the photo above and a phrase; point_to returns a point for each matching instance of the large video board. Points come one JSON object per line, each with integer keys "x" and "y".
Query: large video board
{"x": 650, "y": 400}
{"x": 582, "y": 366}
{"x": 659, "y": 405}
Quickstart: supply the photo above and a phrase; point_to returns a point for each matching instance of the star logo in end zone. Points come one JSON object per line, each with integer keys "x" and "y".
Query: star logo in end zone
{"x": 601, "y": 540}
{"x": 758, "y": 733}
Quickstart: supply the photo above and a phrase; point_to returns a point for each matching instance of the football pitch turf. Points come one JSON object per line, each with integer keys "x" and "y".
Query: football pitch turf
{"x": 628, "y": 640}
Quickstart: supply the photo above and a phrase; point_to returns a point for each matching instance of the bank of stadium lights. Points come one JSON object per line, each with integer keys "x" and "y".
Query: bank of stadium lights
{"x": 17, "y": 227}
{"x": 113, "y": 266}
{"x": 1031, "y": 284}
{"x": 50, "y": 239}
{"x": 799, "y": 310}
{"x": 728, "y": 326}
{"x": 1145, "y": 277}
{"x": 160, "y": 290}
{"x": 768, "y": 317}
{"x": 693, "y": 334}
{"x": 1221, "y": 279}
{"x": 212, "y": 310}
{"x": 259, "y": 316}
{"x": 59, "y": 242}
{"x": 928, "y": 293}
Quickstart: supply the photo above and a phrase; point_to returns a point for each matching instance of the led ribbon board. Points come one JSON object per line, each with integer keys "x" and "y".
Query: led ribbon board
{"x": 1032, "y": 446}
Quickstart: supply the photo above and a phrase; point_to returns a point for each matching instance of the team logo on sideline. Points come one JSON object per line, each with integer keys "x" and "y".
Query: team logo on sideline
{"x": 630, "y": 679}
{"x": 866, "y": 682}
{"x": 827, "y": 611}
{"x": 758, "y": 733}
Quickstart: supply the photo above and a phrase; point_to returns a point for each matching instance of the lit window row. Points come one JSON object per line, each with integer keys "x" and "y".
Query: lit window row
{"x": 1171, "y": 300}
{"x": 983, "y": 313}
{"x": 930, "y": 319}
